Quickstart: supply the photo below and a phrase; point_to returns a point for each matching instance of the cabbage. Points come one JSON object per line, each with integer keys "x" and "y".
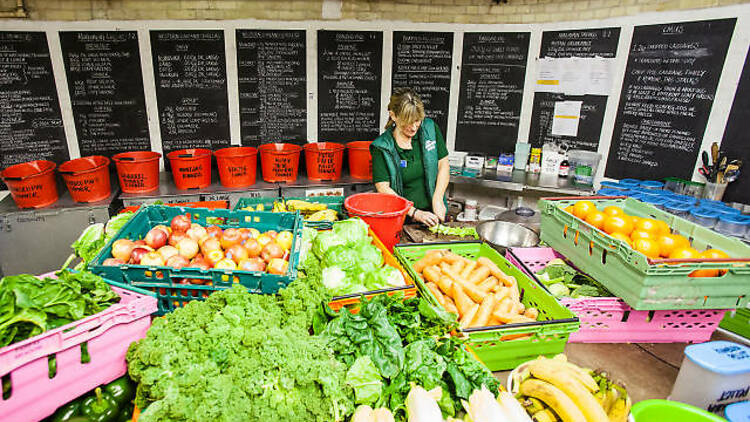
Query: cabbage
{"x": 353, "y": 231}
{"x": 384, "y": 277}
{"x": 340, "y": 256}
{"x": 334, "y": 278}
{"x": 367, "y": 252}
{"x": 308, "y": 236}
{"x": 365, "y": 379}
{"x": 325, "y": 241}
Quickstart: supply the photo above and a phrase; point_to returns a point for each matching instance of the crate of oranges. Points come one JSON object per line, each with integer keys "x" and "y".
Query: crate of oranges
{"x": 651, "y": 259}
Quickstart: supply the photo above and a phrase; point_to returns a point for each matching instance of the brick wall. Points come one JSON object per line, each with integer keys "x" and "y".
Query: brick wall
{"x": 458, "y": 11}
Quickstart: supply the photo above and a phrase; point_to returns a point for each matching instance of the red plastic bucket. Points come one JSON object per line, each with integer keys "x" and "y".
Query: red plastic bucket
{"x": 138, "y": 171}
{"x": 32, "y": 184}
{"x": 360, "y": 159}
{"x": 237, "y": 166}
{"x": 324, "y": 160}
{"x": 279, "y": 162}
{"x": 87, "y": 178}
{"x": 191, "y": 168}
{"x": 385, "y": 213}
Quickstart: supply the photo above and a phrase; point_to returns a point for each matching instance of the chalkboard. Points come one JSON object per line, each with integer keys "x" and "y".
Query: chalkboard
{"x": 736, "y": 142}
{"x": 272, "y": 66}
{"x": 106, "y": 91}
{"x": 422, "y": 61}
{"x": 349, "y": 75}
{"x": 585, "y": 43}
{"x": 191, "y": 88}
{"x": 493, "y": 70}
{"x": 30, "y": 121}
{"x": 669, "y": 87}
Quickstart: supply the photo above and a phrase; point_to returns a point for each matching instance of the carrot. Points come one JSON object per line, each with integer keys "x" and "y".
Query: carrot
{"x": 430, "y": 258}
{"x": 463, "y": 302}
{"x": 436, "y": 292}
{"x": 431, "y": 274}
{"x": 479, "y": 275}
{"x": 457, "y": 266}
{"x": 452, "y": 257}
{"x": 520, "y": 318}
{"x": 514, "y": 294}
{"x": 450, "y": 306}
{"x": 472, "y": 291}
{"x": 468, "y": 316}
{"x": 494, "y": 269}
{"x": 505, "y": 306}
{"x": 503, "y": 317}
{"x": 466, "y": 272}
{"x": 532, "y": 313}
{"x": 488, "y": 284}
{"x": 519, "y": 308}
{"x": 485, "y": 309}
{"x": 446, "y": 285}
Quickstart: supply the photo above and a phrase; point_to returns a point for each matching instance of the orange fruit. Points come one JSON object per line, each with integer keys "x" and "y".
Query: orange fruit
{"x": 670, "y": 242}
{"x": 582, "y": 208}
{"x": 663, "y": 227}
{"x": 623, "y": 237}
{"x": 647, "y": 225}
{"x": 569, "y": 209}
{"x": 640, "y": 234}
{"x": 634, "y": 219}
{"x": 682, "y": 240}
{"x": 619, "y": 224}
{"x": 715, "y": 254}
{"x": 613, "y": 210}
{"x": 596, "y": 219}
{"x": 648, "y": 247}
{"x": 684, "y": 253}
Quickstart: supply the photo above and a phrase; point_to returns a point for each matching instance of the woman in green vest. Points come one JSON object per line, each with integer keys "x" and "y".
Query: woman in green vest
{"x": 410, "y": 158}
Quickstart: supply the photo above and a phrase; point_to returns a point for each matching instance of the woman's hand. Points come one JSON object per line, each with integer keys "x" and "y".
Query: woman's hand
{"x": 425, "y": 217}
{"x": 438, "y": 207}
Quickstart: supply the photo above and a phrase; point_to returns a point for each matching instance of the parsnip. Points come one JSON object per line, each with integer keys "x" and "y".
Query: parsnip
{"x": 554, "y": 398}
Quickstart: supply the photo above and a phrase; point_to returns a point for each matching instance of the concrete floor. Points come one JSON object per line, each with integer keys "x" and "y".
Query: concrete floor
{"x": 648, "y": 370}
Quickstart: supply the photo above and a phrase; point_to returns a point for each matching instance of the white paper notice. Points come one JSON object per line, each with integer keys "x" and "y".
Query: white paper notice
{"x": 549, "y": 76}
{"x": 600, "y": 76}
{"x": 566, "y": 118}
{"x": 574, "y": 75}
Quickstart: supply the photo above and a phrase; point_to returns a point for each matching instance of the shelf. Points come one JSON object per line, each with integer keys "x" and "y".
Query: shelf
{"x": 520, "y": 181}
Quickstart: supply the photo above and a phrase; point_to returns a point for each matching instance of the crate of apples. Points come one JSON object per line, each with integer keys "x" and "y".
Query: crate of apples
{"x": 184, "y": 244}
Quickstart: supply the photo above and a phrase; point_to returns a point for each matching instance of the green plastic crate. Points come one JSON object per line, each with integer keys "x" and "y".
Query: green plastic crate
{"x": 647, "y": 284}
{"x": 168, "y": 283}
{"x": 335, "y": 203}
{"x": 497, "y": 347}
{"x": 737, "y": 322}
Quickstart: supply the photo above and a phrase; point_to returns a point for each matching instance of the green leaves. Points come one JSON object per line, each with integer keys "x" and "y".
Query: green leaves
{"x": 365, "y": 379}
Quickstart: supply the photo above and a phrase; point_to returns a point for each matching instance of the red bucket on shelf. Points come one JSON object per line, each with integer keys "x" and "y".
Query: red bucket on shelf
{"x": 324, "y": 160}
{"x": 138, "y": 171}
{"x": 87, "y": 178}
{"x": 191, "y": 168}
{"x": 32, "y": 184}
{"x": 385, "y": 213}
{"x": 237, "y": 166}
{"x": 360, "y": 160}
{"x": 279, "y": 162}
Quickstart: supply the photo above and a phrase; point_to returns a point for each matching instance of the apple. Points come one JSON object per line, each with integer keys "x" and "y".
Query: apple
{"x": 252, "y": 264}
{"x": 188, "y": 248}
{"x": 113, "y": 262}
{"x": 254, "y": 233}
{"x": 176, "y": 237}
{"x": 237, "y": 253}
{"x": 271, "y": 251}
{"x": 138, "y": 253}
{"x": 167, "y": 252}
{"x": 210, "y": 245}
{"x": 156, "y": 238}
{"x": 264, "y": 239}
{"x": 230, "y": 237}
{"x": 244, "y": 233}
{"x": 253, "y": 247}
{"x": 199, "y": 263}
{"x": 122, "y": 248}
{"x": 177, "y": 262}
{"x": 180, "y": 223}
{"x": 196, "y": 232}
{"x": 226, "y": 264}
{"x": 166, "y": 229}
{"x": 271, "y": 233}
{"x": 277, "y": 266}
{"x": 214, "y": 256}
{"x": 152, "y": 259}
{"x": 214, "y": 231}
{"x": 284, "y": 239}
{"x": 140, "y": 242}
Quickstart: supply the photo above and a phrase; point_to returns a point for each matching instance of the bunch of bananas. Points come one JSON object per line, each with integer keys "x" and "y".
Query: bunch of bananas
{"x": 311, "y": 211}
{"x": 556, "y": 390}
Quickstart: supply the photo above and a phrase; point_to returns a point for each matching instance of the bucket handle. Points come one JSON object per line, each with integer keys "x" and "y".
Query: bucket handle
{"x": 126, "y": 159}
{"x": 378, "y": 213}
{"x": 186, "y": 156}
{"x": 15, "y": 179}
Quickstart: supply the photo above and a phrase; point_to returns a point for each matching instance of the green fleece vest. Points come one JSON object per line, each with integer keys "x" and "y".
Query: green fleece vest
{"x": 427, "y": 140}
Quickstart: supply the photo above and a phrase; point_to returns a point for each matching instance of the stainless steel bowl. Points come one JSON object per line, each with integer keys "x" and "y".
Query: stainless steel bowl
{"x": 502, "y": 234}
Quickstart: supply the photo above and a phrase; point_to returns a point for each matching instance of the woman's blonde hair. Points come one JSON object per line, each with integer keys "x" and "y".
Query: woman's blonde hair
{"x": 406, "y": 105}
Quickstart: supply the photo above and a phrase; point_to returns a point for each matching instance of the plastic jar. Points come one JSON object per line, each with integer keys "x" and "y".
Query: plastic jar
{"x": 612, "y": 185}
{"x": 656, "y": 201}
{"x": 583, "y": 165}
{"x": 630, "y": 183}
{"x": 470, "y": 210}
{"x": 704, "y": 217}
{"x": 711, "y": 203}
{"x": 609, "y": 192}
{"x": 733, "y": 225}
{"x": 652, "y": 184}
{"x": 683, "y": 198}
{"x": 677, "y": 208}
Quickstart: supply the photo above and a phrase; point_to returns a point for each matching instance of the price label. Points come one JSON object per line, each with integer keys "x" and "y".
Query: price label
{"x": 325, "y": 192}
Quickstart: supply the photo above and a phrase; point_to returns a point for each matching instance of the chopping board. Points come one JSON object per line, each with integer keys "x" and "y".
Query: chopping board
{"x": 419, "y": 233}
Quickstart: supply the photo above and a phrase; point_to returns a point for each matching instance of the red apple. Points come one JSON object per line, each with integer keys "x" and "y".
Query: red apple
{"x": 138, "y": 253}
{"x": 196, "y": 232}
{"x": 271, "y": 251}
{"x": 237, "y": 253}
{"x": 271, "y": 233}
{"x": 177, "y": 262}
{"x": 210, "y": 245}
{"x": 252, "y": 264}
{"x": 180, "y": 223}
{"x": 156, "y": 238}
{"x": 122, "y": 248}
{"x": 254, "y": 233}
{"x": 214, "y": 231}
{"x": 277, "y": 266}
{"x": 230, "y": 237}
{"x": 166, "y": 229}
{"x": 199, "y": 263}
{"x": 112, "y": 262}
{"x": 225, "y": 264}
{"x": 188, "y": 248}
{"x": 176, "y": 237}
{"x": 214, "y": 256}
{"x": 167, "y": 252}
{"x": 140, "y": 242}
{"x": 244, "y": 233}
{"x": 152, "y": 259}
{"x": 253, "y": 247}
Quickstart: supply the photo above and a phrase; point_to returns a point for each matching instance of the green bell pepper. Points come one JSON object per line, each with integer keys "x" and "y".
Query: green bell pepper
{"x": 122, "y": 390}
{"x": 101, "y": 407}
{"x": 67, "y": 412}
{"x": 111, "y": 402}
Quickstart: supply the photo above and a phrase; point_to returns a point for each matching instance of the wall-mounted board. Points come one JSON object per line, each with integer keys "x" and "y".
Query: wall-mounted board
{"x": 191, "y": 88}
{"x": 582, "y": 43}
{"x": 105, "y": 83}
{"x": 31, "y": 125}
{"x": 493, "y": 72}
{"x": 422, "y": 61}
{"x": 736, "y": 142}
{"x": 271, "y": 66}
{"x": 669, "y": 87}
{"x": 349, "y": 77}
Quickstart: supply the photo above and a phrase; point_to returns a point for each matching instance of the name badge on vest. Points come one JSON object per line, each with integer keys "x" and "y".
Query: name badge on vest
{"x": 429, "y": 144}
{"x": 402, "y": 164}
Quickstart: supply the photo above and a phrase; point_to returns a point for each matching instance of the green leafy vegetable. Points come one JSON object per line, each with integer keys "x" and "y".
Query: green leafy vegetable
{"x": 365, "y": 379}
{"x": 352, "y": 231}
{"x": 455, "y": 231}
{"x": 93, "y": 238}
{"x": 562, "y": 280}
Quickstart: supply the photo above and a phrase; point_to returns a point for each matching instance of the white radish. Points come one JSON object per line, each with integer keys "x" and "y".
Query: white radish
{"x": 512, "y": 408}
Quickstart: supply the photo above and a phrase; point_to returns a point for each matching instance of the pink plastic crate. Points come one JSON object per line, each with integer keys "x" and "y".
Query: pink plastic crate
{"x": 611, "y": 320}
{"x": 107, "y": 334}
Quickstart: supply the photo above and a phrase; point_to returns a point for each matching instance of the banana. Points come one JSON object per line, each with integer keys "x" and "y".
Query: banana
{"x": 547, "y": 371}
{"x": 324, "y": 215}
{"x": 600, "y": 396}
{"x": 579, "y": 374}
{"x": 620, "y": 410}
{"x": 544, "y": 415}
{"x": 561, "y": 404}
{"x": 610, "y": 397}
{"x": 260, "y": 207}
{"x": 533, "y": 405}
{"x": 304, "y": 206}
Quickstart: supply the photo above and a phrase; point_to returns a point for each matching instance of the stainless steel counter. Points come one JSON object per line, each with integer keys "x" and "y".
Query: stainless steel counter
{"x": 520, "y": 181}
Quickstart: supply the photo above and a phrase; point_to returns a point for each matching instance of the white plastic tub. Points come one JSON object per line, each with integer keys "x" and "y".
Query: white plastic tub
{"x": 583, "y": 165}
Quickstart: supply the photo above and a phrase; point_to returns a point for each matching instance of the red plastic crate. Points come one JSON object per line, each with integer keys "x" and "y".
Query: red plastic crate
{"x": 107, "y": 335}
{"x": 611, "y": 320}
